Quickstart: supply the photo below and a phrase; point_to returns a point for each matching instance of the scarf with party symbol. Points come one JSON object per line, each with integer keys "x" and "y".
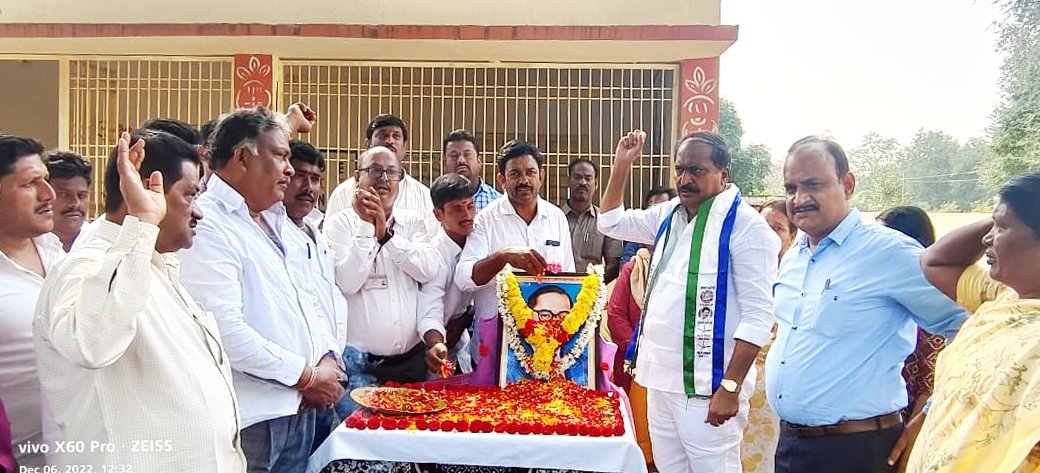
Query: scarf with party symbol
{"x": 704, "y": 326}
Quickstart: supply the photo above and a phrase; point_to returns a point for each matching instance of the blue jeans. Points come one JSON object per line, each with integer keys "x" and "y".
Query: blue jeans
{"x": 281, "y": 445}
{"x": 325, "y": 422}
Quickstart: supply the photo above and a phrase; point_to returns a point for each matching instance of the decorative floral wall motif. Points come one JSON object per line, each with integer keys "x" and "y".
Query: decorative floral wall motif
{"x": 699, "y": 109}
{"x": 254, "y": 82}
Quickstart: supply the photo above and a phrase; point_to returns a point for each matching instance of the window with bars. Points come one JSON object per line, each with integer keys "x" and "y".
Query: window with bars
{"x": 568, "y": 111}
{"x": 108, "y": 95}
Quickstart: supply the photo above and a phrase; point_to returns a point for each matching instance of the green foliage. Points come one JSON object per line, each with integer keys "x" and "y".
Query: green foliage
{"x": 750, "y": 165}
{"x": 933, "y": 172}
{"x": 1016, "y": 135}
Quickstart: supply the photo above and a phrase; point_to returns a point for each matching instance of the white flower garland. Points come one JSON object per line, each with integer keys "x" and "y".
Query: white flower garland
{"x": 588, "y": 330}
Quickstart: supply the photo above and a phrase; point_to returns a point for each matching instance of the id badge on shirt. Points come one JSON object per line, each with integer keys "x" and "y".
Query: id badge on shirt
{"x": 377, "y": 281}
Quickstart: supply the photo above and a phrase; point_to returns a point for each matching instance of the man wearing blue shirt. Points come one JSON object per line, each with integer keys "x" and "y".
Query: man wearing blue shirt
{"x": 847, "y": 298}
{"x": 461, "y": 155}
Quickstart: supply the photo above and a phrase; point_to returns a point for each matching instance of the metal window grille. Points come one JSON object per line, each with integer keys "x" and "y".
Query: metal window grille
{"x": 109, "y": 95}
{"x": 568, "y": 111}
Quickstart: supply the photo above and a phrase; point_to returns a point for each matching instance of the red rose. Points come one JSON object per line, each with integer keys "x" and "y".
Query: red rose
{"x": 447, "y": 426}
{"x": 604, "y": 366}
{"x": 619, "y": 429}
{"x": 486, "y": 427}
{"x": 500, "y": 427}
{"x": 389, "y": 424}
{"x": 483, "y": 350}
{"x": 433, "y": 424}
{"x": 373, "y": 423}
{"x": 420, "y": 423}
{"x": 462, "y": 425}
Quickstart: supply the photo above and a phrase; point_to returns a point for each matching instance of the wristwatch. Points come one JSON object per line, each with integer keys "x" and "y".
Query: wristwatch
{"x": 729, "y": 385}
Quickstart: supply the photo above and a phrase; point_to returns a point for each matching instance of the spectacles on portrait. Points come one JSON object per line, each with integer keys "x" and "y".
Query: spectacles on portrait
{"x": 543, "y": 315}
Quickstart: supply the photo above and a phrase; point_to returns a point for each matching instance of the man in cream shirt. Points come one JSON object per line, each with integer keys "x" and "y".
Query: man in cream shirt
{"x": 131, "y": 366}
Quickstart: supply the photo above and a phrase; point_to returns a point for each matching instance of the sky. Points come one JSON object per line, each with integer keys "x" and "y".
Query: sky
{"x": 848, "y": 67}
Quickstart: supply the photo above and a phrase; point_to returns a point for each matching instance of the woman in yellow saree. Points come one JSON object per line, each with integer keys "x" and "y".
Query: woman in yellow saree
{"x": 984, "y": 414}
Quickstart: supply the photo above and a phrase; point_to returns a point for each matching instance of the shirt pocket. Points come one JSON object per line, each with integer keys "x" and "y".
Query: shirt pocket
{"x": 846, "y": 313}
{"x": 591, "y": 249}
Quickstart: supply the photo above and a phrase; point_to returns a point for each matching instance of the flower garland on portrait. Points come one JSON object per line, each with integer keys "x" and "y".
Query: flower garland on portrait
{"x": 545, "y": 339}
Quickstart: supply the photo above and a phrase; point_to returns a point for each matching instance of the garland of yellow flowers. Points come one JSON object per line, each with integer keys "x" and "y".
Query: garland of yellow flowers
{"x": 517, "y": 315}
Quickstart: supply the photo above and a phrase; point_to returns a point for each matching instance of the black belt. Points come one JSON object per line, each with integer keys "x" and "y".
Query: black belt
{"x": 881, "y": 422}
{"x": 396, "y": 359}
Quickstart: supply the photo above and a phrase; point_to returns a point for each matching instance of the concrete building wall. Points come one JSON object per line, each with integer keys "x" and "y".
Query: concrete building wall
{"x": 29, "y": 99}
{"x": 372, "y": 12}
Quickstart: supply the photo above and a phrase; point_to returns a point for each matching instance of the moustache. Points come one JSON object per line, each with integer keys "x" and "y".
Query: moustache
{"x": 44, "y": 208}
{"x": 72, "y": 213}
{"x": 690, "y": 188}
{"x": 521, "y": 188}
{"x": 305, "y": 196}
{"x": 804, "y": 208}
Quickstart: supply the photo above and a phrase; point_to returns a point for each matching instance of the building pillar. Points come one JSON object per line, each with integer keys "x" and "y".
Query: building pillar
{"x": 699, "y": 95}
{"x": 254, "y": 80}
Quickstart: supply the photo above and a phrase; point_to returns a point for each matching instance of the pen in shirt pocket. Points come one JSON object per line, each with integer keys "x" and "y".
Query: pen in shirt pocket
{"x": 826, "y": 286}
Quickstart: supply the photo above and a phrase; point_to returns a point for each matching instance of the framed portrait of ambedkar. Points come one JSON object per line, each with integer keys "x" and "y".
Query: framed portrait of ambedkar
{"x": 549, "y": 326}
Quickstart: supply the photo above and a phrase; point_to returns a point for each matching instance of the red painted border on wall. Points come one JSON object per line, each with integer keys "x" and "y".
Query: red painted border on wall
{"x": 439, "y": 32}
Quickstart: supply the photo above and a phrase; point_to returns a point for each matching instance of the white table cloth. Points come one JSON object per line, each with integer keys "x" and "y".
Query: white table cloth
{"x": 618, "y": 454}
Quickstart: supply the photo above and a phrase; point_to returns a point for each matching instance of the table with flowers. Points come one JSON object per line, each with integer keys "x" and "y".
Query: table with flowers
{"x": 528, "y": 425}
{"x": 544, "y": 414}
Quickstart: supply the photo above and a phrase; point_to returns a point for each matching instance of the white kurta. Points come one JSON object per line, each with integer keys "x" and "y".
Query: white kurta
{"x": 131, "y": 366}
{"x": 753, "y": 259}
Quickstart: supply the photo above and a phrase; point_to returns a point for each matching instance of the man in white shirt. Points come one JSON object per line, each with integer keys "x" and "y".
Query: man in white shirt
{"x": 27, "y": 252}
{"x": 247, "y": 267}
{"x": 300, "y": 196}
{"x": 126, "y": 355}
{"x": 695, "y": 359}
{"x": 445, "y": 311}
{"x": 380, "y": 263}
{"x": 70, "y": 179}
{"x": 391, "y": 132}
{"x": 522, "y": 230}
